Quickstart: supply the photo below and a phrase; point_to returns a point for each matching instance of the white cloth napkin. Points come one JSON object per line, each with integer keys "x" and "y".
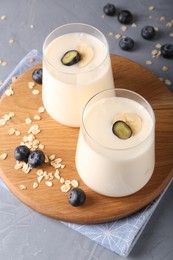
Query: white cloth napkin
{"x": 118, "y": 236}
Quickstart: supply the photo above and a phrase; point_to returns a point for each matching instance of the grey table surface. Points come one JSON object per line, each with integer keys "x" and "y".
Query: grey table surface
{"x": 28, "y": 22}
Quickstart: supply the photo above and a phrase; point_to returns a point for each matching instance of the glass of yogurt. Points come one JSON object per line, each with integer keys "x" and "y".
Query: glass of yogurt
{"x": 76, "y": 66}
{"x": 115, "y": 153}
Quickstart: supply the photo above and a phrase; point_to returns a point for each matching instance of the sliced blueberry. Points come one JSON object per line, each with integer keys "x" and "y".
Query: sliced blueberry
{"x": 21, "y": 153}
{"x": 37, "y": 76}
{"x": 125, "y": 17}
{"x": 70, "y": 58}
{"x": 109, "y": 9}
{"x": 167, "y": 51}
{"x": 148, "y": 32}
{"x": 77, "y": 197}
{"x": 126, "y": 43}
{"x": 36, "y": 158}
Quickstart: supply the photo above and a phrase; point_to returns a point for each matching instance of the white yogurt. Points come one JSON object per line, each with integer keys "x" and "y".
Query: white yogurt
{"x": 107, "y": 164}
{"x": 66, "y": 89}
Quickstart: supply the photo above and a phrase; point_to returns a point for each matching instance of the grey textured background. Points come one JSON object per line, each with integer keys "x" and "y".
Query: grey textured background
{"x": 156, "y": 240}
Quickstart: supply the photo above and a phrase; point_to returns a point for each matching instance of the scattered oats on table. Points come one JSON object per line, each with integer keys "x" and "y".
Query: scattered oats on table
{"x": 65, "y": 188}
{"x": 41, "y": 109}
{"x": 168, "y": 25}
{"x": 165, "y": 68}
{"x": 167, "y": 82}
{"x": 11, "y": 41}
{"x": 22, "y": 187}
{"x": 133, "y": 25}
{"x": 49, "y": 183}
{"x": 162, "y": 18}
{"x": 28, "y": 121}
{"x": 151, "y": 8}
{"x": 148, "y": 62}
{"x": 31, "y": 84}
{"x": 3, "y": 156}
{"x": 124, "y": 28}
{"x": 35, "y": 92}
{"x": 158, "y": 45}
{"x": 35, "y": 185}
{"x": 117, "y": 36}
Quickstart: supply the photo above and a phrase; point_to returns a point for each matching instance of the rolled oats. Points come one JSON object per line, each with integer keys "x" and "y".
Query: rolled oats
{"x": 41, "y": 109}
{"x": 3, "y": 156}
{"x": 65, "y": 188}
{"x": 28, "y": 121}
{"x": 22, "y": 187}
{"x": 49, "y": 183}
{"x": 31, "y": 84}
{"x": 11, "y": 131}
{"x": 35, "y": 92}
{"x": 74, "y": 183}
{"x": 35, "y": 185}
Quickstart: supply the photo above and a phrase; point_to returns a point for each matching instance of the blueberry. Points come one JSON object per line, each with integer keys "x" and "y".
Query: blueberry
{"x": 148, "y": 32}
{"x": 36, "y": 158}
{"x": 76, "y": 197}
{"x": 126, "y": 44}
{"x": 167, "y": 51}
{"x": 37, "y": 76}
{"x": 21, "y": 153}
{"x": 109, "y": 9}
{"x": 125, "y": 17}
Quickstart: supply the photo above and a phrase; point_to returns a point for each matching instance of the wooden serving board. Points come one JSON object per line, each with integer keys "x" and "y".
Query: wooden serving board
{"x": 61, "y": 140}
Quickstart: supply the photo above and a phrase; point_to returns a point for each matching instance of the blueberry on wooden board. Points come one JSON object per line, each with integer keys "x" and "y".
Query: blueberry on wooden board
{"x": 21, "y": 153}
{"x": 36, "y": 158}
{"x": 77, "y": 197}
{"x": 37, "y": 76}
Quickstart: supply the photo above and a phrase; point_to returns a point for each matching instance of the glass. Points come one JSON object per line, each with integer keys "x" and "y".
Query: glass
{"x": 66, "y": 89}
{"x": 107, "y": 164}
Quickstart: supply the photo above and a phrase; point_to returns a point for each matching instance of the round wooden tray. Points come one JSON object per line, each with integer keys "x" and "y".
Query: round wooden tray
{"x": 61, "y": 140}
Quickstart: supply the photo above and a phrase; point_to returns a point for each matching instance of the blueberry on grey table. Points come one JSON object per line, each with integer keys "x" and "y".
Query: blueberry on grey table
{"x": 167, "y": 51}
{"x": 77, "y": 197}
{"x": 21, "y": 153}
{"x": 36, "y": 158}
{"x": 109, "y": 9}
{"x": 37, "y": 75}
{"x": 125, "y": 17}
{"x": 126, "y": 43}
{"x": 148, "y": 32}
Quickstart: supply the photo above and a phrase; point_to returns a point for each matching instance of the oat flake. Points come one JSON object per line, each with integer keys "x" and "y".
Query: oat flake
{"x": 65, "y": 188}
{"x": 35, "y": 92}
{"x": 3, "y": 156}
{"x": 49, "y": 183}
{"x": 22, "y": 187}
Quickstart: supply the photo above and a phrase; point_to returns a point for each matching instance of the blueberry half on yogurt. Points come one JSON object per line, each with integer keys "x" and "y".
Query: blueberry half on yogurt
{"x": 121, "y": 130}
{"x": 70, "y": 58}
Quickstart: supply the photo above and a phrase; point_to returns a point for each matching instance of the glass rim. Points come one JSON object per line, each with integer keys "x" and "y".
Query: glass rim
{"x": 118, "y": 149}
{"x": 75, "y": 24}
